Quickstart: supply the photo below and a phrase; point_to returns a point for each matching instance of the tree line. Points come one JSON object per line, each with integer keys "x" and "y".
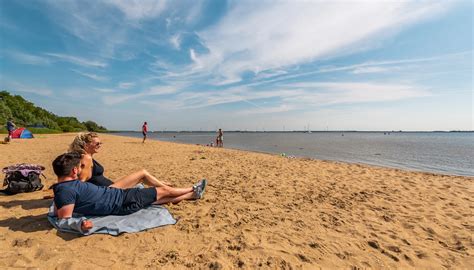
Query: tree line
{"x": 37, "y": 119}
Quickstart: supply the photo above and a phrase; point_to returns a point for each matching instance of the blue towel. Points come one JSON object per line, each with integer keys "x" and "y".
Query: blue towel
{"x": 151, "y": 217}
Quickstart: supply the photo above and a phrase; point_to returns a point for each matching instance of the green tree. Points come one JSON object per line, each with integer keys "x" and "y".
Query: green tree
{"x": 25, "y": 113}
{"x": 93, "y": 126}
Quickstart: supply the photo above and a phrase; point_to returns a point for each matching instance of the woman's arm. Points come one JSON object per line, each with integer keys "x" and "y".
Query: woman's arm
{"x": 86, "y": 166}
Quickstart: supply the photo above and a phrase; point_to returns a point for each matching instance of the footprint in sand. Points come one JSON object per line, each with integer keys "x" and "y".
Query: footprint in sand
{"x": 421, "y": 254}
{"x": 215, "y": 266}
{"x": 303, "y": 258}
{"x": 22, "y": 242}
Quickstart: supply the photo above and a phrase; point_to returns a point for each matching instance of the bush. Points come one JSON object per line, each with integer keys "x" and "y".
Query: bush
{"x": 44, "y": 131}
{"x": 25, "y": 113}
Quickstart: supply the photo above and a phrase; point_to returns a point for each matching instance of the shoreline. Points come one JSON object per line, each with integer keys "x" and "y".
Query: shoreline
{"x": 407, "y": 169}
{"x": 259, "y": 211}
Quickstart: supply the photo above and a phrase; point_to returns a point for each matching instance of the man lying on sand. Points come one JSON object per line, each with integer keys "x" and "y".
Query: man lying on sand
{"x": 72, "y": 195}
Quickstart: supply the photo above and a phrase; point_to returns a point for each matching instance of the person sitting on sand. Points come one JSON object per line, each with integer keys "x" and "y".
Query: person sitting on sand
{"x": 89, "y": 144}
{"x": 74, "y": 196}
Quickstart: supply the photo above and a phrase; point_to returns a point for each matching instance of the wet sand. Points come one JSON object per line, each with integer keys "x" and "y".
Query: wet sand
{"x": 259, "y": 211}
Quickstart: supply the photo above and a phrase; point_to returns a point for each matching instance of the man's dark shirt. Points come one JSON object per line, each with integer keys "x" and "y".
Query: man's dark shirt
{"x": 88, "y": 198}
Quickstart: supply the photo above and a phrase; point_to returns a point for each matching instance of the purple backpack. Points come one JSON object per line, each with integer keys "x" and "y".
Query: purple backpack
{"x": 22, "y": 178}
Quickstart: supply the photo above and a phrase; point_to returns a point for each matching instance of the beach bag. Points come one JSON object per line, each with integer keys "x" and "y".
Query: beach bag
{"x": 22, "y": 177}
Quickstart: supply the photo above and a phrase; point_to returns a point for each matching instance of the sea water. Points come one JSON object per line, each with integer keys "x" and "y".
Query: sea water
{"x": 438, "y": 152}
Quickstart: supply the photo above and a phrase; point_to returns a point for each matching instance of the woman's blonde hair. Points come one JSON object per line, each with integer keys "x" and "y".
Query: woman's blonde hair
{"x": 79, "y": 143}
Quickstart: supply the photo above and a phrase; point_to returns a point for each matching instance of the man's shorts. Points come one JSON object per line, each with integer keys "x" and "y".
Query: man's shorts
{"x": 136, "y": 199}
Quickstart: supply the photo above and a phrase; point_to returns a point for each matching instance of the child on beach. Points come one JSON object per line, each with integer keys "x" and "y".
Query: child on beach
{"x": 74, "y": 196}
{"x": 89, "y": 144}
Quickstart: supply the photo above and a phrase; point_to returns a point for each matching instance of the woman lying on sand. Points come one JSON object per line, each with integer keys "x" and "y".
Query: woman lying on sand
{"x": 88, "y": 144}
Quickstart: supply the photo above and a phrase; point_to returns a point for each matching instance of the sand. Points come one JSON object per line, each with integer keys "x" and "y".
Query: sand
{"x": 259, "y": 211}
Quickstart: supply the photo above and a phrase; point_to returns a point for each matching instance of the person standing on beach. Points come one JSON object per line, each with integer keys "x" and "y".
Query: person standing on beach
{"x": 10, "y": 127}
{"x": 144, "y": 131}
{"x": 220, "y": 138}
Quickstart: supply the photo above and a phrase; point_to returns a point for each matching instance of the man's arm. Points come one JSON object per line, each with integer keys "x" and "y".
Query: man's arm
{"x": 66, "y": 211}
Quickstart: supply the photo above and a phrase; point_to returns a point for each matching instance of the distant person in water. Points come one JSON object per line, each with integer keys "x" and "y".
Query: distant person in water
{"x": 144, "y": 131}
{"x": 88, "y": 144}
{"x": 220, "y": 138}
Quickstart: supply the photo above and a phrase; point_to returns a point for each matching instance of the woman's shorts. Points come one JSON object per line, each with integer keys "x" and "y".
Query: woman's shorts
{"x": 136, "y": 199}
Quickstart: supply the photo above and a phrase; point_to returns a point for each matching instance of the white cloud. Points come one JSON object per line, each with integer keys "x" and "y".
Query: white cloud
{"x": 267, "y": 110}
{"x": 363, "y": 70}
{"x": 91, "y": 76}
{"x": 193, "y": 56}
{"x": 126, "y": 85}
{"x": 153, "y": 91}
{"x": 176, "y": 41}
{"x": 116, "y": 99}
{"x": 93, "y": 22}
{"x": 106, "y": 90}
{"x": 297, "y": 96}
{"x": 384, "y": 65}
{"x": 202, "y": 99}
{"x": 194, "y": 11}
{"x": 38, "y": 90}
{"x": 329, "y": 93}
{"x": 139, "y": 9}
{"x": 29, "y": 59}
{"x": 161, "y": 90}
{"x": 78, "y": 60}
{"x": 270, "y": 74}
{"x": 256, "y": 36}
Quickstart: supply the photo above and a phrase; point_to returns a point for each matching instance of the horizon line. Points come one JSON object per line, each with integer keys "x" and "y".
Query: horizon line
{"x": 298, "y": 131}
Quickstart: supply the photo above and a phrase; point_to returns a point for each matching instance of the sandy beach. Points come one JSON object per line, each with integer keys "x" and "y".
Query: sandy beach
{"x": 259, "y": 211}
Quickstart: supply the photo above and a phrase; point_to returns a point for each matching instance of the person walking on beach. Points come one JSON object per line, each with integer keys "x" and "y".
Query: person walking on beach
{"x": 220, "y": 138}
{"x": 10, "y": 127}
{"x": 74, "y": 196}
{"x": 144, "y": 131}
{"x": 88, "y": 144}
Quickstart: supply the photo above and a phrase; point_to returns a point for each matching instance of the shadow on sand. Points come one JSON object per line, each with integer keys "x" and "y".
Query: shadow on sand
{"x": 27, "y": 223}
{"x": 36, "y": 223}
{"x": 27, "y": 204}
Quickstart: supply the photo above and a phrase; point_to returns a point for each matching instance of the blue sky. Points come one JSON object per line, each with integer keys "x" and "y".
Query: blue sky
{"x": 255, "y": 65}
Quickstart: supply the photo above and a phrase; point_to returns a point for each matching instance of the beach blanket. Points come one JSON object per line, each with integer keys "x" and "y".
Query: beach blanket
{"x": 147, "y": 218}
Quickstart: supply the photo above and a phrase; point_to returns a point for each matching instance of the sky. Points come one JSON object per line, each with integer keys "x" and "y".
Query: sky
{"x": 244, "y": 65}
